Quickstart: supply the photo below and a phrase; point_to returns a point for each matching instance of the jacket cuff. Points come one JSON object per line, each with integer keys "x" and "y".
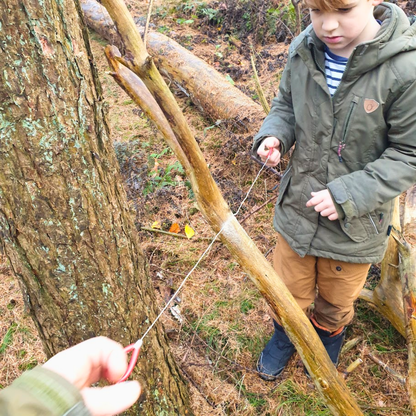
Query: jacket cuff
{"x": 338, "y": 207}
{"x": 52, "y": 392}
{"x": 344, "y": 203}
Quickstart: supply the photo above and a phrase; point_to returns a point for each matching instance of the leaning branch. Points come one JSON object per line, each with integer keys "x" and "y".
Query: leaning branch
{"x": 216, "y": 211}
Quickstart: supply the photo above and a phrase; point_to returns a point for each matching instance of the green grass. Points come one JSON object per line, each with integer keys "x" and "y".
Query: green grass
{"x": 8, "y": 337}
{"x": 28, "y": 366}
{"x": 379, "y": 333}
{"x": 256, "y": 400}
{"x": 292, "y": 397}
{"x": 246, "y": 306}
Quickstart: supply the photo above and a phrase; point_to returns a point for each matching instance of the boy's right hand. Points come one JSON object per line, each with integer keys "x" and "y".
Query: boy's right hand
{"x": 264, "y": 149}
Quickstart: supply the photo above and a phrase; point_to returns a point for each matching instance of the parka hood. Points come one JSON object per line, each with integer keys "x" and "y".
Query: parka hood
{"x": 396, "y": 35}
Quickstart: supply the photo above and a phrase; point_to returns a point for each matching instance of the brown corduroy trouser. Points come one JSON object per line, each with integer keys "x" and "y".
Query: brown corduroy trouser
{"x": 332, "y": 285}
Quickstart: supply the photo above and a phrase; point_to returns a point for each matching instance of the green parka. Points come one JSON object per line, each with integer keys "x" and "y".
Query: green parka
{"x": 41, "y": 392}
{"x": 360, "y": 144}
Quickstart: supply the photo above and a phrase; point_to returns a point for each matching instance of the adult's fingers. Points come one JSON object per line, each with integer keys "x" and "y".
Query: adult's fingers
{"x": 90, "y": 360}
{"x": 111, "y": 400}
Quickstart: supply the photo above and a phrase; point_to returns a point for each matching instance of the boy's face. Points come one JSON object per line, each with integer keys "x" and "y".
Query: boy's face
{"x": 344, "y": 28}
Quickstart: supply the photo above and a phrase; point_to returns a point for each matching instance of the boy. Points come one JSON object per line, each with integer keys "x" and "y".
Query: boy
{"x": 347, "y": 101}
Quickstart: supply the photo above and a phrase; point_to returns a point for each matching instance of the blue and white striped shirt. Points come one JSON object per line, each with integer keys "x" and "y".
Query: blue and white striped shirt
{"x": 334, "y": 68}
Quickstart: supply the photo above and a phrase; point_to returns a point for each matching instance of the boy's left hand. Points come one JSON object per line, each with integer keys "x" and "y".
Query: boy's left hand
{"x": 323, "y": 203}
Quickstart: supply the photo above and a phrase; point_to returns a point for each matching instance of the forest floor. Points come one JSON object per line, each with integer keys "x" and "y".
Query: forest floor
{"x": 220, "y": 323}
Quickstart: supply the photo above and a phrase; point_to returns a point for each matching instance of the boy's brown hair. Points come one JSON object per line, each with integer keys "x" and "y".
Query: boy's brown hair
{"x": 325, "y": 5}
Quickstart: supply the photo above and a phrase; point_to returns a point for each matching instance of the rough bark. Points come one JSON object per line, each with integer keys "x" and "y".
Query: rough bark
{"x": 214, "y": 208}
{"x": 64, "y": 222}
{"x": 207, "y": 88}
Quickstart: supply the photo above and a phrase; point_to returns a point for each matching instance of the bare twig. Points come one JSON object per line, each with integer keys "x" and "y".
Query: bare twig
{"x": 212, "y": 404}
{"x": 258, "y": 209}
{"x": 394, "y": 373}
{"x": 298, "y": 12}
{"x": 146, "y": 29}
{"x": 259, "y": 88}
{"x": 165, "y": 270}
{"x": 155, "y": 230}
{"x": 386, "y": 409}
{"x": 287, "y": 28}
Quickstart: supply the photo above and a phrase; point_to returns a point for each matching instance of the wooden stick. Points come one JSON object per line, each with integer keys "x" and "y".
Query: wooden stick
{"x": 353, "y": 366}
{"x": 259, "y": 208}
{"x": 195, "y": 238}
{"x": 259, "y": 89}
{"x": 394, "y": 373}
{"x": 156, "y": 230}
{"x": 350, "y": 344}
{"x": 146, "y": 29}
{"x": 216, "y": 211}
{"x": 387, "y": 409}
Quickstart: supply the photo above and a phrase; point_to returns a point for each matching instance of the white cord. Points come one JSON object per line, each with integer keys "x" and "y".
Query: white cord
{"x": 202, "y": 256}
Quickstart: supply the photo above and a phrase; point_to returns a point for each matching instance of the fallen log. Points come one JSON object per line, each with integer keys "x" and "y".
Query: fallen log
{"x": 216, "y": 211}
{"x": 208, "y": 89}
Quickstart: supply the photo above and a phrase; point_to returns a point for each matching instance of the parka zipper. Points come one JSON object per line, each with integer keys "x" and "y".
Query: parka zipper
{"x": 374, "y": 224}
{"x": 342, "y": 143}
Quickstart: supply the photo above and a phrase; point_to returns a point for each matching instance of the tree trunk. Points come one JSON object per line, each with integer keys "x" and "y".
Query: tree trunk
{"x": 408, "y": 276}
{"x": 64, "y": 221}
{"x": 207, "y": 88}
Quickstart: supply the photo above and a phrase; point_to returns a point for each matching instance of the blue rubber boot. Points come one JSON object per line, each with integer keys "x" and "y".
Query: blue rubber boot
{"x": 275, "y": 355}
{"x": 332, "y": 343}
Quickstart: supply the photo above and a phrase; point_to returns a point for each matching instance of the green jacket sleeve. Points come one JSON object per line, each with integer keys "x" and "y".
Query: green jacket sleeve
{"x": 41, "y": 392}
{"x": 392, "y": 173}
{"x": 280, "y": 121}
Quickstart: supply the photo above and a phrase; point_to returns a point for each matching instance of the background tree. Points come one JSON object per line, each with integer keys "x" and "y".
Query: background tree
{"x": 64, "y": 221}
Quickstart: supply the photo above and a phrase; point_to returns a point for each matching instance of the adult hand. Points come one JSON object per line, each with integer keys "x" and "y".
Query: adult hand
{"x": 88, "y": 362}
{"x": 323, "y": 203}
{"x": 264, "y": 149}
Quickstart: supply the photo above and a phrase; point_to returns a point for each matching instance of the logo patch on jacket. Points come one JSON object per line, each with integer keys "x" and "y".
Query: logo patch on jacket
{"x": 370, "y": 105}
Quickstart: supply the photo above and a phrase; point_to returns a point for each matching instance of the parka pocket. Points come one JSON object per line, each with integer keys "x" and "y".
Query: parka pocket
{"x": 355, "y": 229}
{"x": 284, "y": 183}
{"x": 369, "y": 225}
